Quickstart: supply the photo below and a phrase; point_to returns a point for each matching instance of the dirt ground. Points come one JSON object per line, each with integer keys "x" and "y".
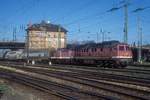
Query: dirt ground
{"x": 20, "y": 92}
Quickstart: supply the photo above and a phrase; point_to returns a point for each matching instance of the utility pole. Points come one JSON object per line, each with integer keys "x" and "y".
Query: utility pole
{"x": 108, "y": 37}
{"x": 59, "y": 37}
{"x": 103, "y": 35}
{"x": 14, "y": 34}
{"x": 139, "y": 34}
{"x": 126, "y": 22}
{"x": 97, "y": 36}
{"x": 139, "y": 41}
{"x": 28, "y": 43}
{"x": 27, "y": 46}
{"x": 125, "y": 6}
{"x": 49, "y": 44}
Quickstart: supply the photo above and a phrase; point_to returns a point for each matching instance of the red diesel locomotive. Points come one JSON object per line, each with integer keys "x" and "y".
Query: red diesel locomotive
{"x": 106, "y": 54}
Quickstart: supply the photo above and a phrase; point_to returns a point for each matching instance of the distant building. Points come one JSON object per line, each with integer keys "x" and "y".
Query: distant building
{"x": 45, "y": 36}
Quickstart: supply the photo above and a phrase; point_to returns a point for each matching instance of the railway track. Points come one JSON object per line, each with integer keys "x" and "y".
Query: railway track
{"x": 139, "y": 68}
{"x": 128, "y": 72}
{"x": 131, "y": 75}
{"x": 131, "y": 70}
{"x": 128, "y": 69}
{"x": 91, "y": 72}
{"x": 134, "y": 71}
{"x": 102, "y": 84}
{"x": 119, "y": 93}
{"x": 98, "y": 76}
{"x": 111, "y": 75}
{"x": 143, "y": 74}
{"x": 120, "y": 74}
{"x": 99, "y": 83}
{"x": 62, "y": 91}
{"x": 141, "y": 65}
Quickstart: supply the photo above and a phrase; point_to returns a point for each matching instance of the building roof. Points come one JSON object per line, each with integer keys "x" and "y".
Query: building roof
{"x": 44, "y": 26}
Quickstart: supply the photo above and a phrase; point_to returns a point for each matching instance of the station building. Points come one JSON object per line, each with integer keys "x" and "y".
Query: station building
{"x": 46, "y": 37}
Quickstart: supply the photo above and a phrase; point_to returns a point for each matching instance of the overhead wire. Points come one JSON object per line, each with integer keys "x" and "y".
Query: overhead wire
{"x": 87, "y": 17}
{"x": 22, "y": 10}
{"x": 77, "y": 10}
{"x": 93, "y": 16}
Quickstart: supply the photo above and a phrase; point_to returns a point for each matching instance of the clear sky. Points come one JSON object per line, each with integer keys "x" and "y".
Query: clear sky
{"x": 82, "y": 18}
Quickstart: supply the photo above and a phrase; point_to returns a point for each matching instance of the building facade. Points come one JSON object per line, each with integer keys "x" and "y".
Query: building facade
{"x": 45, "y": 37}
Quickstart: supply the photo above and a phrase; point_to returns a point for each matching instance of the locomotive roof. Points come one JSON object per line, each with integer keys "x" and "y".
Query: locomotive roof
{"x": 89, "y": 45}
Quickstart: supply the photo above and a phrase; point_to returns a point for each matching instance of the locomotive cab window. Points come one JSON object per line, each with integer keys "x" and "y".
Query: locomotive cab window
{"x": 121, "y": 48}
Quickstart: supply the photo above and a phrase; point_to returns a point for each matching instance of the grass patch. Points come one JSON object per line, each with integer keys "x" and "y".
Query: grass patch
{"x": 8, "y": 68}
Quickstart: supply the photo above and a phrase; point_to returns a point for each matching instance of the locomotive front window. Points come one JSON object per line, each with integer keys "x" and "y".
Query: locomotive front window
{"x": 121, "y": 48}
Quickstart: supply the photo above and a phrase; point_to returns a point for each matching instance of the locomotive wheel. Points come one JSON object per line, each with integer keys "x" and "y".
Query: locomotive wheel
{"x": 115, "y": 64}
{"x": 112, "y": 64}
{"x": 105, "y": 64}
{"x": 123, "y": 65}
